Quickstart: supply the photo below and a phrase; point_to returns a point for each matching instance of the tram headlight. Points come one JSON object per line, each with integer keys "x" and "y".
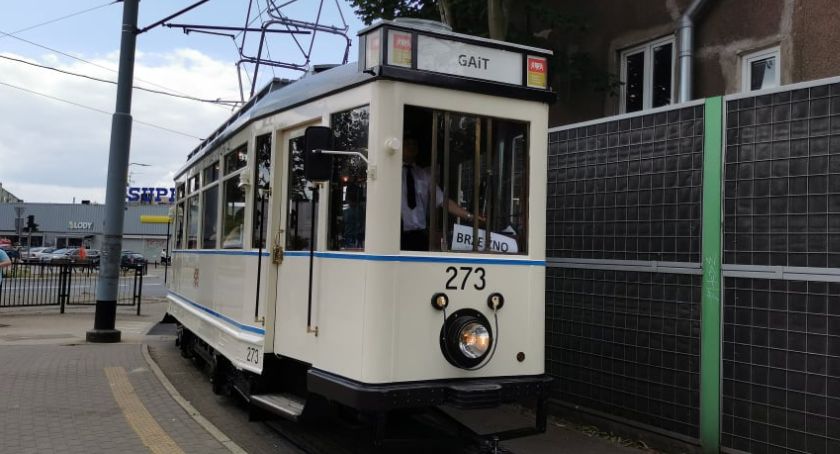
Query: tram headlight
{"x": 474, "y": 340}
{"x": 466, "y": 338}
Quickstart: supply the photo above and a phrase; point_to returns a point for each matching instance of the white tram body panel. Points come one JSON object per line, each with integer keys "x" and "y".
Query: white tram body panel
{"x": 376, "y": 324}
{"x": 372, "y": 321}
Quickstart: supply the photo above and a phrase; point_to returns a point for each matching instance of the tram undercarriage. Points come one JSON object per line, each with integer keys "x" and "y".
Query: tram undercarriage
{"x": 287, "y": 389}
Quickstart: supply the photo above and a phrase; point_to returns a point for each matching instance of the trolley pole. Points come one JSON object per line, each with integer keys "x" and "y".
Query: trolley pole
{"x": 108, "y": 285}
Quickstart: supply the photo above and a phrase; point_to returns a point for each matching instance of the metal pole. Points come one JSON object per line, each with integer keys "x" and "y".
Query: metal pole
{"x": 710, "y": 304}
{"x": 109, "y": 275}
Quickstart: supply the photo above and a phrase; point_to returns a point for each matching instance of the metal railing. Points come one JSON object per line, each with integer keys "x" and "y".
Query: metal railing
{"x": 64, "y": 284}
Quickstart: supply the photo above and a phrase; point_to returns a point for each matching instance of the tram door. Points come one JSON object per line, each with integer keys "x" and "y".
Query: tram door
{"x": 294, "y": 230}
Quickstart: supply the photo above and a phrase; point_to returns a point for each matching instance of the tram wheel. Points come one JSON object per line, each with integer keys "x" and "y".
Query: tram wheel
{"x": 184, "y": 340}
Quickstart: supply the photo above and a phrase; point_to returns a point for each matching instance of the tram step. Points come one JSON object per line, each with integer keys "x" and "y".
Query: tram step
{"x": 287, "y": 406}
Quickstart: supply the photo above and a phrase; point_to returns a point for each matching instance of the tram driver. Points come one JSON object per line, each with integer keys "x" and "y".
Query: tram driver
{"x": 415, "y": 201}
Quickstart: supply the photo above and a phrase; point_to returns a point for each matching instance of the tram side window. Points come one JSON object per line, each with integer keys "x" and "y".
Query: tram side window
{"x": 181, "y": 193}
{"x": 179, "y": 225}
{"x": 262, "y": 175}
{"x": 192, "y": 222}
{"x": 348, "y": 185}
{"x": 233, "y": 203}
{"x": 210, "y": 217}
{"x": 478, "y": 167}
{"x": 299, "y": 219}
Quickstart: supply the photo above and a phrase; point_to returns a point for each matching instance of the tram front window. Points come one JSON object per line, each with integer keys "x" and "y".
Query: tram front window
{"x": 478, "y": 169}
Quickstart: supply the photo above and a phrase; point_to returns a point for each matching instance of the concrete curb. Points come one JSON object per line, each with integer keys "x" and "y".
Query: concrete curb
{"x": 185, "y": 404}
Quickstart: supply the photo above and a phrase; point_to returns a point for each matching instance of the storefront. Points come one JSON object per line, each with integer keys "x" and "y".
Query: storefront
{"x": 68, "y": 225}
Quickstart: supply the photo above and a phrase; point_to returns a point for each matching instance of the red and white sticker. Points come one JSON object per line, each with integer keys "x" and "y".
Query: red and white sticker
{"x": 537, "y": 72}
{"x": 399, "y": 49}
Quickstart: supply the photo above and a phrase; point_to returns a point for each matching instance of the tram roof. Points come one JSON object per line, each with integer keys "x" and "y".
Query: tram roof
{"x": 279, "y": 95}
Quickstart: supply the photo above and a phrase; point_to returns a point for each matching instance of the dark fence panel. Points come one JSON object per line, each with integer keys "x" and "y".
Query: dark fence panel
{"x": 623, "y": 225}
{"x": 627, "y": 189}
{"x": 64, "y": 284}
{"x": 782, "y": 179}
{"x": 781, "y": 366}
{"x": 627, "y": 344}
{"x": 781, "y": 241}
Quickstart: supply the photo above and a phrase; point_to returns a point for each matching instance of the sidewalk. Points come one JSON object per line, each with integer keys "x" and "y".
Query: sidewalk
{"x": 59, "y": 394}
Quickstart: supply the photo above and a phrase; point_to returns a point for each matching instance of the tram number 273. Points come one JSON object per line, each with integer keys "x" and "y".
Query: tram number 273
{"x": 252, "y": 355}
{"x": 478, "y": 281}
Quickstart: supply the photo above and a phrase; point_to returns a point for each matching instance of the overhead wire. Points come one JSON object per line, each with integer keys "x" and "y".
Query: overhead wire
{"x": 84, "y": 76}
{"x": 52, "y": 21}
{"x": 83, "y": 106}
{"x": 87, "y": 62}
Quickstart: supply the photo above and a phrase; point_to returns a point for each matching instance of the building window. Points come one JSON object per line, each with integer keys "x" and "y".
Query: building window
{"x": 760, "y": 70}
{"x": 647, "y": 75}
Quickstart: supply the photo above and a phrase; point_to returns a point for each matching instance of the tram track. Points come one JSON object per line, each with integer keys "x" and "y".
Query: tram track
{"x": 425, "y": 433}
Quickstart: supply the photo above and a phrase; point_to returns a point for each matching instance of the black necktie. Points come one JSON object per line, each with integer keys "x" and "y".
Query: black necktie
{"x": 409, "y": 187}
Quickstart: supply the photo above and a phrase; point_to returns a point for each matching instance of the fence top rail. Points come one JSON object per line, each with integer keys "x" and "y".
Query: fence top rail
{"x": 783, "y": 88}
{"x": 625, "y": 116}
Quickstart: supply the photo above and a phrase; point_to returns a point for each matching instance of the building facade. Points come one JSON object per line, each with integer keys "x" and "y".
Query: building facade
{"x": 739, "y": 45}
{"x": 63, "y": 225}
{"x": 8, "y": 197}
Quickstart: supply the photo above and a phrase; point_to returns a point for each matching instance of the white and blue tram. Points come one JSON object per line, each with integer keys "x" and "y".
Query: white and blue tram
{"x": 293, "y": 283}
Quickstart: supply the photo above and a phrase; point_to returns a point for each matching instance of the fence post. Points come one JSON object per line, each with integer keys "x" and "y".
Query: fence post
{"x": 710, "y": 312}
{"x": 64, "y": 285}
{"x": 139, "y": 290}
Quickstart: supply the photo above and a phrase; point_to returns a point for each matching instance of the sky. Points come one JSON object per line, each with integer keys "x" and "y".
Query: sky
{"x": 55, "y": 128}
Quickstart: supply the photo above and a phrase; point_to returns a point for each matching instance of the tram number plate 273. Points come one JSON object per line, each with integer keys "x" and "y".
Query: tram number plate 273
{"x": 252, "y": 355}
{"x": 463, "y": 276}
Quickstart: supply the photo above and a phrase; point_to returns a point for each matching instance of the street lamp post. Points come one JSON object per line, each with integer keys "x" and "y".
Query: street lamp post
{"x": 108, "y": 285}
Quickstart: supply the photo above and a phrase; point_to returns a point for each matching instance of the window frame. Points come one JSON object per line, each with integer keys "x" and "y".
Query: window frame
{"x": 222, "y": 181}
{"x": 647, "y": 75}
{"x": 746, "y": 66}
{"x": 328, "y": 189}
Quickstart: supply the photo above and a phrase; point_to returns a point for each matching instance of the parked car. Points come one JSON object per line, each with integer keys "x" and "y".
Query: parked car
{"x": 58, "y": 255}
{"x": 130, "y": 259}
{"x": 34, "y": 254}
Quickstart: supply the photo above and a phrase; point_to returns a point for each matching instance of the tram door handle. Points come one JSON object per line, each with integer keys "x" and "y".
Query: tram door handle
{"x": 277, "y": 254}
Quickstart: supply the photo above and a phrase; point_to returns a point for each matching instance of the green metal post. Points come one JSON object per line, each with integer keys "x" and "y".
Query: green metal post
{"x": 710, "y": 313}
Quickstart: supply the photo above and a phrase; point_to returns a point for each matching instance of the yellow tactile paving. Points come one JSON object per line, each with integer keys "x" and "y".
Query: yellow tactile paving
{"x": 138, "y": 417}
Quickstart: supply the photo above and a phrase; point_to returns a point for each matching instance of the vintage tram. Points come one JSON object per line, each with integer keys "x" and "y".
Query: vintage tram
{"x": 291, "y": 271}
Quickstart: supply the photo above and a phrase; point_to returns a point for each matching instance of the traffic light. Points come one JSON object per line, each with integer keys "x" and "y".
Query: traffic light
{"x": 31, "y": 226}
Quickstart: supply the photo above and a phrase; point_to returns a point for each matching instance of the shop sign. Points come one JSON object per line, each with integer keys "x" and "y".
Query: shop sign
{"x": 77, "y": 225}
{"x": 150, "y": 195}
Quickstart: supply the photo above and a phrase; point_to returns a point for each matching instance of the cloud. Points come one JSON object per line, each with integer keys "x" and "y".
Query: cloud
{"x": 51, "y": 151}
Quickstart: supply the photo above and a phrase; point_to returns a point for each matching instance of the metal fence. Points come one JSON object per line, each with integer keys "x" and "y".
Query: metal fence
{"x": 64, "y": 284}
{"x": 623, "y": 278}
{"x": 781, "y": 267}
{"x": 709, "y": 315}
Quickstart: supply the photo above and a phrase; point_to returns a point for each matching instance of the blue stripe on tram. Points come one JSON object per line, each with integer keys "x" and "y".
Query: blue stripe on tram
{"x": 378, "y": 258}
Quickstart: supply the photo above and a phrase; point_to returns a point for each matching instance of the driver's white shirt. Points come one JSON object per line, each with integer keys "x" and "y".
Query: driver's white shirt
{"x": 415, "y": 219}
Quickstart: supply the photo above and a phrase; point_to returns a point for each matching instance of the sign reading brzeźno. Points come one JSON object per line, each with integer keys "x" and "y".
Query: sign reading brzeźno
{"x": 468, "y": 60}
